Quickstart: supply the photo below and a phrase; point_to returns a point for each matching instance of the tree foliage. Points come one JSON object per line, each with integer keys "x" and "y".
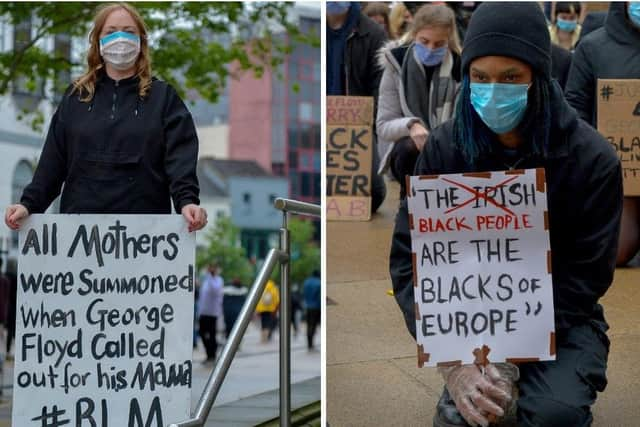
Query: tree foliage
{"x": 305, "y": 252}
{"x": 192, "y": 43}
{"x": 224, "y": 250}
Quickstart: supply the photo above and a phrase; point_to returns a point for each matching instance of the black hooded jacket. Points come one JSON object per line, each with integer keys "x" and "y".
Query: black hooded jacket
{"x": 610, "y": 52}
{"x": 584, "y": 201}
{"x": 118, "y": 153}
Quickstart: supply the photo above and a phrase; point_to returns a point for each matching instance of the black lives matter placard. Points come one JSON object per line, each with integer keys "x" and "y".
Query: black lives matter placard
{"x": 104, "y": 321}
{"x": 619, "y": 122}
{"x": 349, "y": 157}
{"x": 482, "y": 267}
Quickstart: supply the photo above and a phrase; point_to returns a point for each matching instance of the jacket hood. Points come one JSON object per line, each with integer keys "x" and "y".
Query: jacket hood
{"x": 619, "y": 27}
{"x": 563, "y": 116}
{"x": 385, "y": 56}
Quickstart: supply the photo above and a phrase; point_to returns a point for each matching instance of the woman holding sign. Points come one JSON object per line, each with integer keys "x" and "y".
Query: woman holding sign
{"x": 121, "y": 141}
{"x": 612, "y": 52}
{"x": 418, "y": 88}
{"x": 511, "y": 114}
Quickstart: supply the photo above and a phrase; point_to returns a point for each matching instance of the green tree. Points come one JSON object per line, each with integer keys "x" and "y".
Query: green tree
{"x": 184, "y": 39}
{"x": 224, "y": 249}
{"x": 305, "y": 252}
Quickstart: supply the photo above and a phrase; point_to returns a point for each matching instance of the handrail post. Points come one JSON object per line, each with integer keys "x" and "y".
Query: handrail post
{"x": 223, "y": 363}
{"x": 285, "y": 325}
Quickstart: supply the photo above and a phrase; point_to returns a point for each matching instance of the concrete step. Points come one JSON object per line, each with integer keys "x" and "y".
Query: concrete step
{"x": 264, "y": 409}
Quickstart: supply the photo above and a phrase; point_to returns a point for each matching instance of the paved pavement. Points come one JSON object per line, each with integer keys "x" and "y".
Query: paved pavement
{"x": 372, "y": 374}
{"x": 254, "y": 371}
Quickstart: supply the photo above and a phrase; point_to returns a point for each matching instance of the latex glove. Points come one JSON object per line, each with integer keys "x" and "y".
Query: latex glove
{"x": 195, "y": 216}
{"x": 418, "y": 134}
{"x": 474, "y": 394}
{"x": 504, "y": 376}
{"x": 14, "y": 215}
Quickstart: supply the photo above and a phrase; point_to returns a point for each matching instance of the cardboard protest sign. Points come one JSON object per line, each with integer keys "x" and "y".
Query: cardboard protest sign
{"x": 482, "y": 267}
{"x": 619, "y": 122}
{"x": 349, "y": 157}
{"x": 104, "y": 321}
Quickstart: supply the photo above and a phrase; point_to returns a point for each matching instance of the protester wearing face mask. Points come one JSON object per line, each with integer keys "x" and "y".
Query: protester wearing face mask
{"x": 565, "y": 32}
{"x": 610, "y": 52}
{"x": 417, "y": 90}
{"x": 121, "y": 141}
{"x": 511, "y": 115}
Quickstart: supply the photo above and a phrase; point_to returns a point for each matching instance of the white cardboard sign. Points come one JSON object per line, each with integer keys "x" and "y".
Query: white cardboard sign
{"x": 482, "y": 267}
{"x": 104, "y": 321}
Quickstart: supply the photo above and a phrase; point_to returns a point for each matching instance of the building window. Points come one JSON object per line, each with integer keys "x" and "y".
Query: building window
{"x": 22, "y": 176}
{"x": 27, "y": 92}
{"x": 246, "y": 197}
{"x": 272, "y": 199}
{"x": 62, "y": 51}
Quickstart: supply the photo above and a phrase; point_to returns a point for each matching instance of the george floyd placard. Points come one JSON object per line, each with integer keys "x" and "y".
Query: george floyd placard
{"x": 349, "y": 157}
{"x": 619, "y": 123}
{"x": 482, "y": 267}
{"x": 104, "y": 321}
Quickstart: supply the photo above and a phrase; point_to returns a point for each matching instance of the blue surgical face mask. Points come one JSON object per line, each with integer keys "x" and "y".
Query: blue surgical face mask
{"x": 120, "y": 49}
{"x": 500, "y": 106}
{"x": 566, "y": 25}
{"x": 429, "y": 57}
{"x": 337, "y": 7}
{"x": 634, "y": 12}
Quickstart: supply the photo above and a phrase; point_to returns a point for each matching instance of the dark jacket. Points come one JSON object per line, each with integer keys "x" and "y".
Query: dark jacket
{"x": 119, "y": 153}
{"x": 610, "y": 52}
{"x": 362, "y": 73}
{"x": 560, "y": 64}
{"x": 584, "y": 201}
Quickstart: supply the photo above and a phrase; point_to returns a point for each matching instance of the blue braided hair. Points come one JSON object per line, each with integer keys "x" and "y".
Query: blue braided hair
{"x": 474, "y": 138}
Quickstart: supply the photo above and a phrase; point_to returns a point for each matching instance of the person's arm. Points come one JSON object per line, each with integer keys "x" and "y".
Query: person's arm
{"x": 181, "y": 155}
{"x": 581, "y": 84}
{"x": 590, "y": 264}
{"x": 51, "y": 170}
{"x": 390, "y": 122}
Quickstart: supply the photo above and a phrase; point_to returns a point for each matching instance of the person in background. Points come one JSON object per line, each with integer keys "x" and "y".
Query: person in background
{"x": 352, "y": 42}
{"x": 560, "y": 64}
{"x": 210, "y": 310}
{"x": 610, "y": 52}
{"x": 121, "y": 141}
{"x": 399, "y": 21}
{"x": 232, "y": 302}
{"x": 296, "y": 308}
{"x": 312, "y": 301}
{"x": 512, "y": 115}
{"x": 379, "y": 13}
{"x": 565, "y": 31}
{"x": 418, "y": 89}
{"x": 12, "y": 275}
{"x": 267, "y": 308}
{"x": 592, "y": 22}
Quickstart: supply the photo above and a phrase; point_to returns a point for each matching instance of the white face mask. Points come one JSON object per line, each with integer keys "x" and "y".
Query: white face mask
{"x": 120, "y": 49}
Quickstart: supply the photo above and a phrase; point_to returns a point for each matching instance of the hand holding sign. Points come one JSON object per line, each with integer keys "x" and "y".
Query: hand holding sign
{"x": 474, "y": 394}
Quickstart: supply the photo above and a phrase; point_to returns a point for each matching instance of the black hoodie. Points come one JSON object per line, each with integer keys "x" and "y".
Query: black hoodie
{"x": 118, "y": 153}
{"x": 584, "y": 200}
{"x": 610, "y": 52}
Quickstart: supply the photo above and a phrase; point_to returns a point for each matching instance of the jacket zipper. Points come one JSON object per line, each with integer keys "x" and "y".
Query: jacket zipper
{"x": 113, "y": 105}
{"x": 347, "y": 55}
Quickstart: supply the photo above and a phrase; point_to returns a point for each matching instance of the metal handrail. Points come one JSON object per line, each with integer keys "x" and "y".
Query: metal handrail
{"x": 275, "y": 256}
{"x": 296, "y": 207}
{"x": 233, "y": 342}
